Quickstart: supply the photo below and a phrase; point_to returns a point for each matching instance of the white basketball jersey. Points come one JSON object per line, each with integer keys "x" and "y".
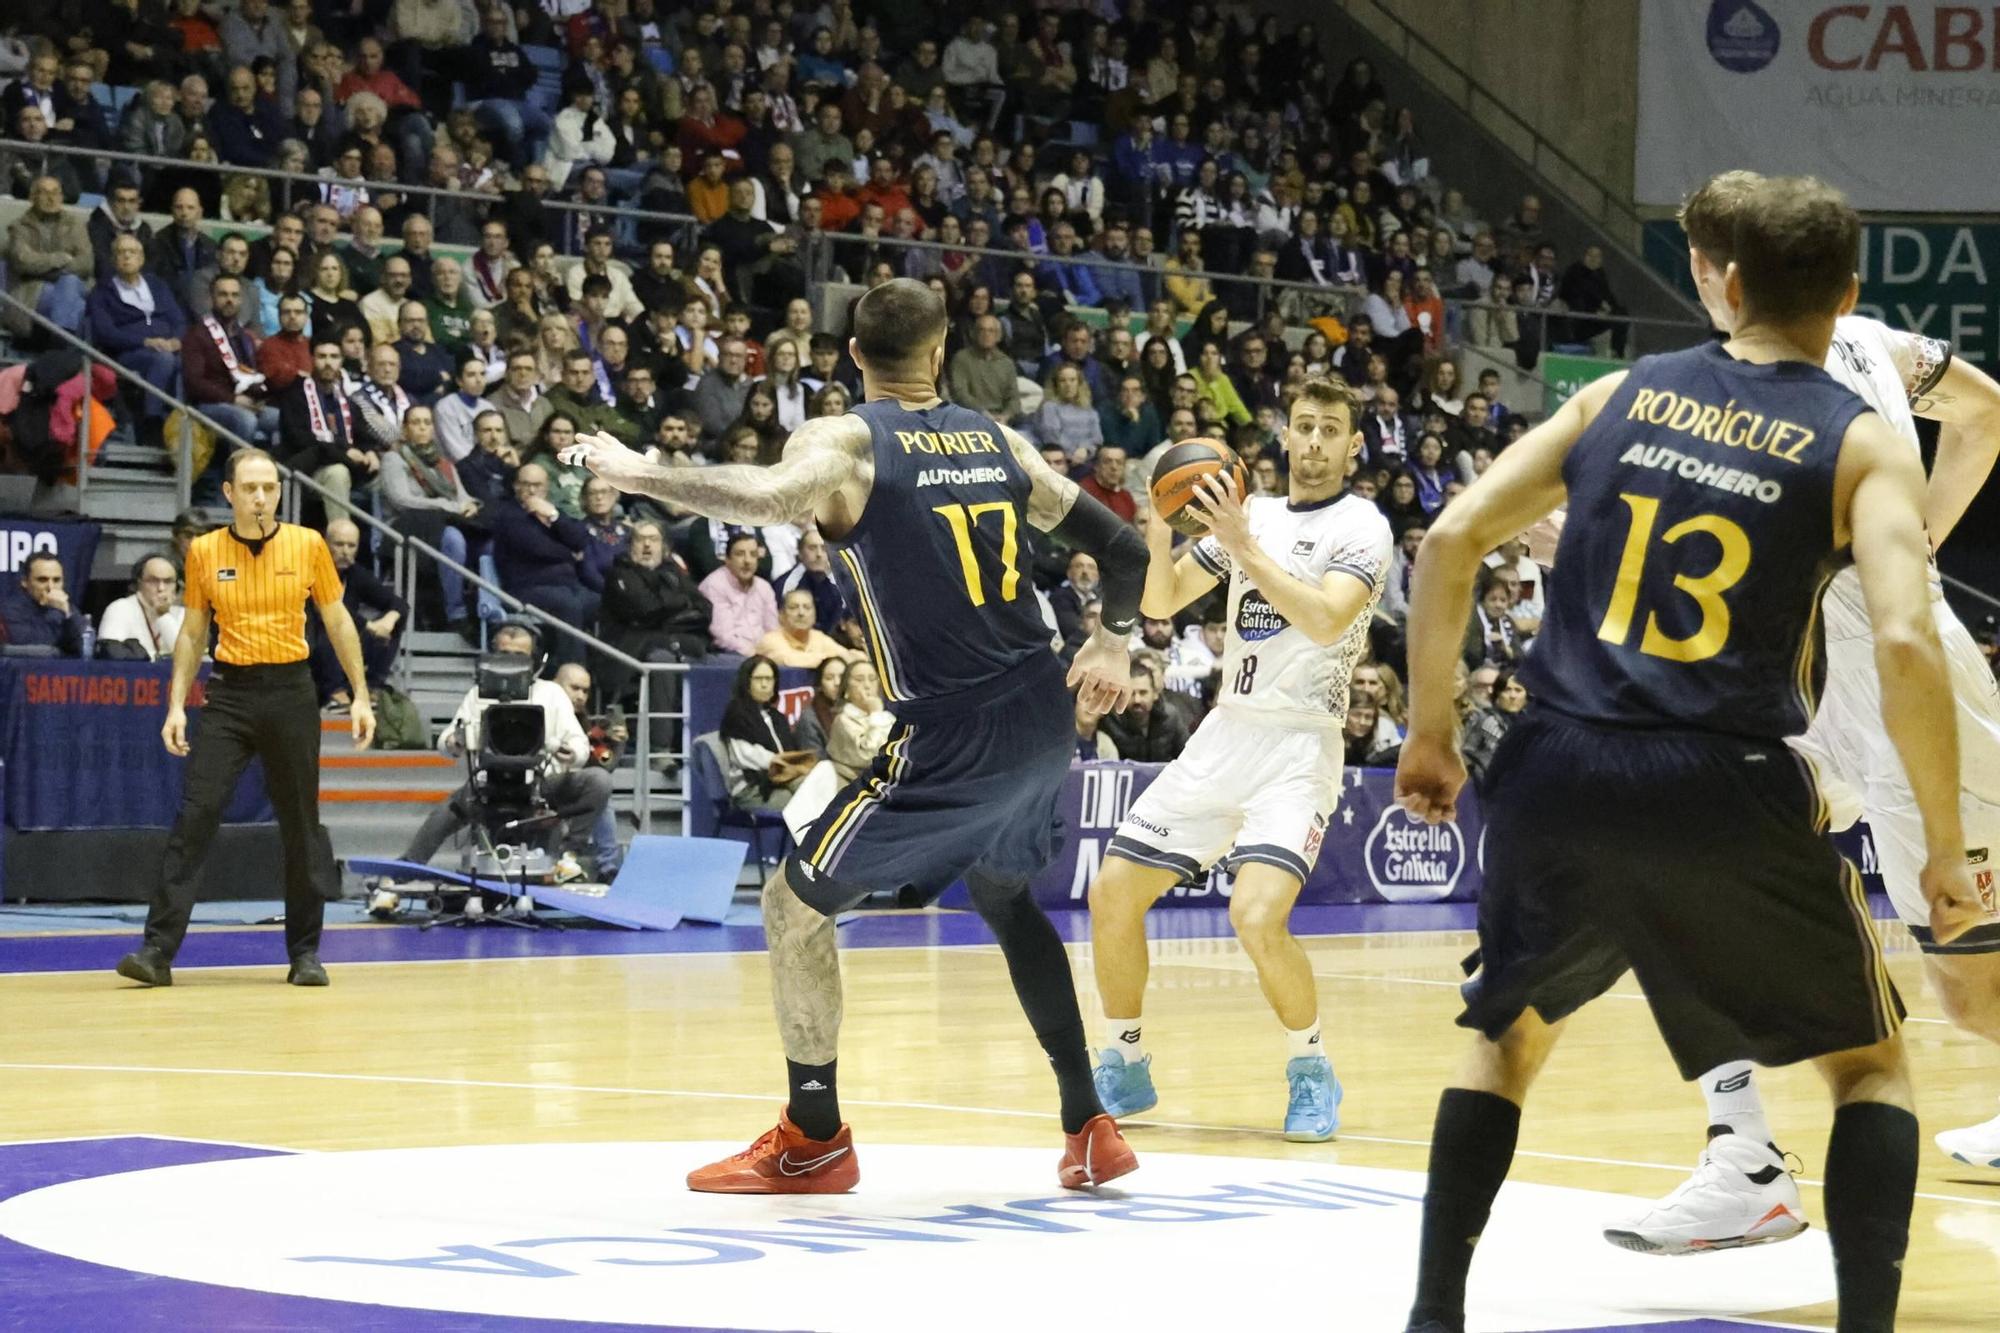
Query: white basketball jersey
{"x": 1890, "y": 369}
{"x": 1269, "y": 667}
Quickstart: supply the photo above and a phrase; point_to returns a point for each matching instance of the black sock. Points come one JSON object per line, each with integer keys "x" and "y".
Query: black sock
{"x": 1871, "y": 1184}
{"x": 1040, "y": 970}
{"x": 1471, "y": 1148}
{"x": 815, "y": 1107}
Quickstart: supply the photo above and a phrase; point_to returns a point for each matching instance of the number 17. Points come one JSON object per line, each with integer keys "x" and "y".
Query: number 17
{"x": 963, "y": 519}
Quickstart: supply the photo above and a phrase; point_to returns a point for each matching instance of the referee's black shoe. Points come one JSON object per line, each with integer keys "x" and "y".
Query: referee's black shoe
{"x": 147, "y": 966}
{"x": 306, "y": 971}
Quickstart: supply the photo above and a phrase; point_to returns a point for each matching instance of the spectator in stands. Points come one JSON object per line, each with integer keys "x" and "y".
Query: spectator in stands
{"x": 1491, "y": 638}
{"x": 381, "y": 401}
{"x": 723, "y": 390}
{"x": 984, "y": 378}
{"x": 540, "y": 554}
{"x": 1107, "y": 482}
{"x": 320, "y": 433}
{"x": 578, "y": 397}
{"x": 651, "y": 608}
{"x": 182, "y": 250}
{"x": 575, "y": 789}
{"x": 1078, "y": 590}
{"x": 50, "y": 259}
{"x": 20, "y": 168}
{"x": 488, "y": 471}
{"x": 579, "y": 136}
{"x": 39, "y": 613}
{"x": 1388, "y": 436}
{"x": 1066, "y": 417}
{"x": 766, "y": 761}
{"x": 622, "y": 302}
{"x": 1150, "y": 730}
{"x": 1585, "y": 289}
{"x": 117, "y": 215}
{"x": 382, "y": 308}
{"x": 219, "y": 374}
{"x": 797, "y": 642}
{"x": 334, "y": 308}
{"x": 501, "y": 79}
{"x": 743, "y": 607}
{"x": 148, "y": 619}
{"x": 152, "y": 124}
{"x": 1027, "y": 327}
{"x": 286, "y": 355}
{"x": 380, "y": 615}
{"x": 861, "y": 725}
{"x": 816, "y": 718}
{"x": 424, "y": 370}
{"x": 425, "y": 498}
{"x": 520, "y": 400}
{"x": 247, "y": 129}
{"x": 457, "y": 411}
{"x": 134, "y": 317}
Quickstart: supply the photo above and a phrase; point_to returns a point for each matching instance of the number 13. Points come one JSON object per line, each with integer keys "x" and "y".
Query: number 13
{"x": 1713, "y": 632}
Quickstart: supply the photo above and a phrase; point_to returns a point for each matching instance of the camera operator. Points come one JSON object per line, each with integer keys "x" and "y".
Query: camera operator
{"x": 572, "y": 786}
{"x": 607, "y": 736}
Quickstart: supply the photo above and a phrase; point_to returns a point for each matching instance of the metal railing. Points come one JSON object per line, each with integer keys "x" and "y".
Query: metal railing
{"x": 1676, "y": 332}
{"x": 405, "y": 551}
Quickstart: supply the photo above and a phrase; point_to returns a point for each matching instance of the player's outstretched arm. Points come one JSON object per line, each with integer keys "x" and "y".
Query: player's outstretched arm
{"x": 1102, "y": 669}
{"x": 1966, "y": 400}
{"x": 1523, "y": 485}
{"x": 819, "y": 459}
{"x": 1879, "y": 490}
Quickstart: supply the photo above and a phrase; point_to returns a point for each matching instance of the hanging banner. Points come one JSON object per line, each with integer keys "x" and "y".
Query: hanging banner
{"x": 1893, "y": 103}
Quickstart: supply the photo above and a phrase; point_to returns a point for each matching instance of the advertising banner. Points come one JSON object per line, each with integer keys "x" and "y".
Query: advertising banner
{"x": 1891, "y": 102}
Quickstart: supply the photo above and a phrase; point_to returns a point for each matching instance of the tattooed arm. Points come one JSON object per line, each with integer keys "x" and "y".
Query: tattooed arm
{"x": 820, "y": 458}
{"x": 1966, "y": 401}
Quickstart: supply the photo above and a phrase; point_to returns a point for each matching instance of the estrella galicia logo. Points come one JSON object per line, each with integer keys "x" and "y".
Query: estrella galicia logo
{"x": 1742, "y": 37}
{"x": 1257, "y": 619}
{"x": 1410, "y": 861}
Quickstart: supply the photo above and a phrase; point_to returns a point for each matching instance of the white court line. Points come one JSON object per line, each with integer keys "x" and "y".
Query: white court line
{"x": 409, "y": 1079}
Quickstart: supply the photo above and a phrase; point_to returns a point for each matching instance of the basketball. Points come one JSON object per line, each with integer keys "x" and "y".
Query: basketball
{"x": 1181, "y": 469}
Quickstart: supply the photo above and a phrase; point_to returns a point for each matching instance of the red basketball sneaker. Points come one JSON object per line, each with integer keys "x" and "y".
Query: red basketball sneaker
{"x": 785, "y": 1161}
{"x": 1095, "y": 1154}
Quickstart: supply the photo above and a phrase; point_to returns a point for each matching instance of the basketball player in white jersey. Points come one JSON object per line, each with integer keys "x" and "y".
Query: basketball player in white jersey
{"x": 1741, "y": 1193}
{"x": 1257, "y": 783}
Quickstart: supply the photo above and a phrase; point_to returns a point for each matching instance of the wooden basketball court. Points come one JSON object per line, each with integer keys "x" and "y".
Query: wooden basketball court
{"x": 482, "y": 1048}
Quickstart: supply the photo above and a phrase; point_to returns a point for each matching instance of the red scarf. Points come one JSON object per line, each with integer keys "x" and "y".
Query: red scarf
{"x": 317, "y": 414}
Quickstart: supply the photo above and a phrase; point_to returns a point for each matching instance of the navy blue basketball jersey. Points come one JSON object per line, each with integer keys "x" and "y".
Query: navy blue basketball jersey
{"x": 1700, "y": 536}
{"x": 936, "y": 564}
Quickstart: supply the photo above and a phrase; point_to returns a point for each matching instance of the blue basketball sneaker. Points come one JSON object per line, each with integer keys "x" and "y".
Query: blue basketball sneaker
{"x": 1124, "y": 1089}
{"x": 1314, "y": 1110}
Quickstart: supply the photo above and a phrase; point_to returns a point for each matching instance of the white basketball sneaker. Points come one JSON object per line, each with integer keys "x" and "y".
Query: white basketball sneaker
{"x": 1977, "y": 1146}
{"x": 1741, "y": 1193}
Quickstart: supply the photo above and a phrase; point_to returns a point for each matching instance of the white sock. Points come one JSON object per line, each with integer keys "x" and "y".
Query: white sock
{"x": 1122, "y": 1035}
{"x": 1733, "y": 1103}
{"x": 1305, "y": 1043}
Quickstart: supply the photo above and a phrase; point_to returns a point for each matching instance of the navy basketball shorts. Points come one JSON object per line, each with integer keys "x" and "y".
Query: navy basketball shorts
{"x": 1700, "y": 862}
{"x": 957, "y": 788}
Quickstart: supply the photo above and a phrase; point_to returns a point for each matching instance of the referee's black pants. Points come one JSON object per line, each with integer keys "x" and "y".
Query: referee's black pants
{"x": 253, "y": 712}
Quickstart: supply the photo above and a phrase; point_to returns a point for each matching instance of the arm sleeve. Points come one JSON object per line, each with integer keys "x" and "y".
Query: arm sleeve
{"x": 1121, "y": 558}
{"x": 1208, "y": 553}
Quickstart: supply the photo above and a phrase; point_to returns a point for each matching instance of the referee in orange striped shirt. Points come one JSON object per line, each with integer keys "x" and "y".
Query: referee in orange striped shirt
{"x": 252, "y": 580}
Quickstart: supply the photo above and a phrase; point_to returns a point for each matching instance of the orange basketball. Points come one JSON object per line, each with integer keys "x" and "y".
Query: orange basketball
{"x": 1180, "y": 471}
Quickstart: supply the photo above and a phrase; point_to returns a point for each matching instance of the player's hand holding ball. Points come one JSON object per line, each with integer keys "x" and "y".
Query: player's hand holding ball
{"x": 1956, "y": 903}
{"x": 1177, "y": 482}
{"x": 1429, "y": 777}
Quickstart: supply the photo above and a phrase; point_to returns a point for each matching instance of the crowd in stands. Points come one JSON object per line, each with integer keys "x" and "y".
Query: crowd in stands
{"x": 1171, "y": 216}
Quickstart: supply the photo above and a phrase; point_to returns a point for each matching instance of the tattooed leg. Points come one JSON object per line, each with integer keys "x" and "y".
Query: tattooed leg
{"x": 805, "y": 974}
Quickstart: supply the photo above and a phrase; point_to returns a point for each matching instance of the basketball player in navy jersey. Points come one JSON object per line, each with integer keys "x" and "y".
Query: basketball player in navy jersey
{"x": 1647, "y": 813}
{"x": 926, "y": 502}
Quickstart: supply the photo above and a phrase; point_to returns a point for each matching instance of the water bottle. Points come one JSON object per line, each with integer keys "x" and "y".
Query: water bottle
{"x": 89, "y": 639}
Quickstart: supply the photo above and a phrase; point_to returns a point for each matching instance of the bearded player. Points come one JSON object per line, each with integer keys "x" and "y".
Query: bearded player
{"x": 1742, "y": 1193}
{"x": 1258, "y": 782}
{"x": 927, "y": 502}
